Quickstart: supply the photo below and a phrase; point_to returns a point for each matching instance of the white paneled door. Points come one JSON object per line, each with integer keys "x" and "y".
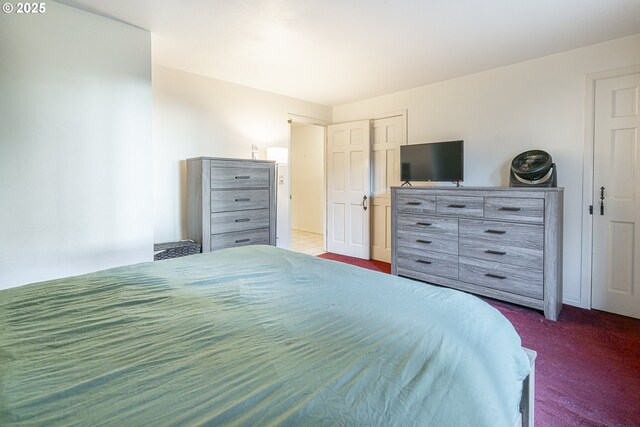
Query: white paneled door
{"x": 616, "y": 209}
{"x": 348, "y": 189}
{"x": 388, "y": 134}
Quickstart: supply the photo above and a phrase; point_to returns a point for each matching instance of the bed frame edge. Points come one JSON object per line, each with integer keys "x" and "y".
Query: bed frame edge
{"x": 528, "y": 391}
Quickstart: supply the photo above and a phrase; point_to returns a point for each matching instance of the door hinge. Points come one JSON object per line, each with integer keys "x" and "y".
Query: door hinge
{"x": 590, "y": 209}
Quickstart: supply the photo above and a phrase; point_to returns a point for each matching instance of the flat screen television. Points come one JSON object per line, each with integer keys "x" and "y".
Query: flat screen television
{"x": 435, "y": 161}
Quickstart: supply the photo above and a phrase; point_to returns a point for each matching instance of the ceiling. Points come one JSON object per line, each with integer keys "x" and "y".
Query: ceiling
{"x": 336, "y": 51}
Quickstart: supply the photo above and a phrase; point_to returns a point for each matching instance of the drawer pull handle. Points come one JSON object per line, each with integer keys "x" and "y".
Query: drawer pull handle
{"x": 243, "y": 240}
{"x": 495, "y": 276}
{"x": 494, "y": 231}
{"x": 489, "y": 251}
{"x": 426, "y": 224}
{"x": 509, "y": 209}
{"x": 243, "y": 199}
{"x": 457, "y": 206}
{"x": 243, "y": 219}
{"x": 243, "y": 177}
{"x": 414, "y": 203}
{"x": 423, "y": 241}
{"x": 421, "y": 261}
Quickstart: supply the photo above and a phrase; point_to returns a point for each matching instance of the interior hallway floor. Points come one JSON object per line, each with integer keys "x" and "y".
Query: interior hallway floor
{"x": 306, "y": 242}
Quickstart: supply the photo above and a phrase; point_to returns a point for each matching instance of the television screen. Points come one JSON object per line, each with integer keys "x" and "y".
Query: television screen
{"x": 436, "y": 161}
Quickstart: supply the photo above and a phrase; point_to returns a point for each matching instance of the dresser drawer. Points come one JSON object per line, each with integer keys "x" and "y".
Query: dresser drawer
{"x": 428, "y": 224}
{"x": 514, "y": 209}
{"x": 460, "y": 205}
{"x": 236, "y": 200}
{"x": 407, "y": 239}
{"x": 224, "y": 222}
{"x": 434, "y": 263}
{"x": 425, "y": 232}
{"x": 497, "y": 275}
{"x": 416, "y": 203}
{"x": 239, "y": 177}
{"x": 518, "y": 244}
{"x": 240, "y": 238}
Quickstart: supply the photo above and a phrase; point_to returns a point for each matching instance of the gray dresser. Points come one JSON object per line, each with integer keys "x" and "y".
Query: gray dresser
{"x": 230, "y": 202}
{"x": 500, "y": 242}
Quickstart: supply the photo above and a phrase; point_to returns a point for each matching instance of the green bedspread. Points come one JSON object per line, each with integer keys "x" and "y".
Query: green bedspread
{"x": 254, "y": 336}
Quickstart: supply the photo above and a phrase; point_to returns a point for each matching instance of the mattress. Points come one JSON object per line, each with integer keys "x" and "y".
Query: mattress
{"x": 254, "y": 336}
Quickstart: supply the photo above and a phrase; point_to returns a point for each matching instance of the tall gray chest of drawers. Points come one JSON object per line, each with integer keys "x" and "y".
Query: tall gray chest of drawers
{"x": 230, "y": 202}
{"x": 500, "y": 242}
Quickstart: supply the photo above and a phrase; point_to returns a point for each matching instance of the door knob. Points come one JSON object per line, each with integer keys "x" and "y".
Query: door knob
{"x": 364, "y": 199}
{"x": 601, "y": 200}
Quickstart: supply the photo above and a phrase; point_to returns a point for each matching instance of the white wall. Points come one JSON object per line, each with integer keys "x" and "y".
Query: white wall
{"x": 200, "y": 116}
{"x": 307, "y": 178}
{"x": 75, "y": 145}
{"x": 505, "y": 111}
{"x": 283, "y": 227}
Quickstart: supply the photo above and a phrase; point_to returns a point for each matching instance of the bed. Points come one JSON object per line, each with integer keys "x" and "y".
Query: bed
{"x": 256, "y": 336}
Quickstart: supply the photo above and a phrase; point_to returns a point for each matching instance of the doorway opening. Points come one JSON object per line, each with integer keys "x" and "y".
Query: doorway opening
{"x": 307, "y": 187}
{"x": 306, "y": 178}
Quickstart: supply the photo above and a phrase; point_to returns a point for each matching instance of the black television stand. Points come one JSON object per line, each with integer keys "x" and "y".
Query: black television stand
{"x": 406, "y": 183}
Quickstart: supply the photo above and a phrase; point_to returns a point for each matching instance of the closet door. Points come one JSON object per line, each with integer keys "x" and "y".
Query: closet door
{"x": 616, "y": 209}
{"x": 388, "y": 134}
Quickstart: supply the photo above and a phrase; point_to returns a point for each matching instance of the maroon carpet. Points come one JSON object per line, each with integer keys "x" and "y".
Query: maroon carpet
{"x": 588, "y": 366}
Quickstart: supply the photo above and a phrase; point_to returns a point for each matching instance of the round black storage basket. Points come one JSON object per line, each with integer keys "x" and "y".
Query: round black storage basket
{"x": 532, "y": 165}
